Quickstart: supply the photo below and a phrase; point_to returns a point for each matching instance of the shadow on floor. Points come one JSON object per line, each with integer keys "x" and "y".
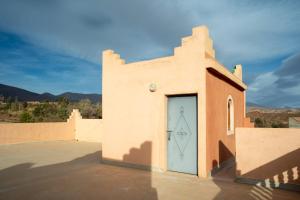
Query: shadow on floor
{"x": 224, "y": 168}
{"x": 81, "y": 178}
{"x": 282, "y": 172}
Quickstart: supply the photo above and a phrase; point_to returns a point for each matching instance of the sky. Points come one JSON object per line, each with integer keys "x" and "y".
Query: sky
{"x": 55, "y": 45}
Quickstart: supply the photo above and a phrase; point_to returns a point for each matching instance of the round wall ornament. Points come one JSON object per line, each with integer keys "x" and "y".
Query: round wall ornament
{"x": 152, "y": 87}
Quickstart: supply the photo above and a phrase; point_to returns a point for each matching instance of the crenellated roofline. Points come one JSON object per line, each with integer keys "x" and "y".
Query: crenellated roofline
{"x": 199, "y": 41}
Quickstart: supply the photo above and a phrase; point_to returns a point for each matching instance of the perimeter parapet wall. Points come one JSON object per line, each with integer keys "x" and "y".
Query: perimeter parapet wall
{"x": 75, "y": 128}
{"x": 270, "y": 156}
{"x": 89, "y": 130}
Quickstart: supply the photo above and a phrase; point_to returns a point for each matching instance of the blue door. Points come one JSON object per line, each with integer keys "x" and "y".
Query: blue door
{"x": 182, "y": 134}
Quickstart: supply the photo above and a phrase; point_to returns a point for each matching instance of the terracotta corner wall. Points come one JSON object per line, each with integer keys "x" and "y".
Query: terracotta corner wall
{"x": 220, "y": 145}
{"x": 271, "y": 155}
{"x": 248, "y": 123}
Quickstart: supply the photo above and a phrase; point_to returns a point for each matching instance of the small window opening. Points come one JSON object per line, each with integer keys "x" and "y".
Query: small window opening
{"x": 230, "y": 116}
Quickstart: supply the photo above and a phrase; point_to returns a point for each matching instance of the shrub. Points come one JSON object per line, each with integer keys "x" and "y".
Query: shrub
{"x": 63, "y": 101}
{"x": 38, "y": 111}
{"x": 278, "y": 125}
{"x": 258, "y": 122}
{"x": 26, "y": 117}
{"x": 63, "y": 113}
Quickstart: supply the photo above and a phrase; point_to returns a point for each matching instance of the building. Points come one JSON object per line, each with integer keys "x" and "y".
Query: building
{"x": 1, "y": 98}
{"x": 294, "y": 122}
{"x": 175, "y": 113}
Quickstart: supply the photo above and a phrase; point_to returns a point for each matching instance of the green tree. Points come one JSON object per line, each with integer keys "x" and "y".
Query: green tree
{"x": 15, "y": 105}
{"x": 99, "y": 111}
{"x": 85, "y": 108}
{"x": 1, "y": 98}
{"x": 63, "y": 101}
{"x": 26, "y": 117}
{"x": 274, "y": 125}
{"x": 278, "y": 125}
{"x": 63, "y": 113}
{"x": 25, "y": 104}
{"x": 8, "y": 103}
{"x": 46, "y": 111}
{"x": 39, "y": 111}
{"x": 258, "y": 122}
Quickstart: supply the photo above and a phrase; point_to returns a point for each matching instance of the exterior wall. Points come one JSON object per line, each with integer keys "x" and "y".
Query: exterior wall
{"x": 11, "y": 133}
{"x": 89, "y": 130}
{"x": 220, "y": 145}
{"x": 247, "y": 122}
{"x": 268, "y": 154}
{"x": 134, "y": 116}
{"x": 75, "y": 128}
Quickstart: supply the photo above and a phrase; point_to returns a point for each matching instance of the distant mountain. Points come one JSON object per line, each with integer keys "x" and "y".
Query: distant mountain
{"x": 78, "y": 96}
{"x": 25, "y": 95}
{"x": 21, "y": 94}
{"x": 46, "y": 96}
{"x": 250, "y": 104}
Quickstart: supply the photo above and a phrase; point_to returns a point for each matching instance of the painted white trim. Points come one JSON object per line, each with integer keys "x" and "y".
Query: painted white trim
{"x": 230, "y": 130}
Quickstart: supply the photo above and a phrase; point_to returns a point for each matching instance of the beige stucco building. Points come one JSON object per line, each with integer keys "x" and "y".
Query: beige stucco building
{"x": 137, "y": 107}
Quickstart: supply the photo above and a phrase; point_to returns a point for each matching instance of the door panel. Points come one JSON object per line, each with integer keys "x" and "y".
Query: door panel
{"x": 182, "y": 134}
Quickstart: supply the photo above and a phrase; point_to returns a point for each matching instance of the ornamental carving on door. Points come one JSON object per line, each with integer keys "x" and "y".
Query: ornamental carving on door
{"x": 182, "y": 132}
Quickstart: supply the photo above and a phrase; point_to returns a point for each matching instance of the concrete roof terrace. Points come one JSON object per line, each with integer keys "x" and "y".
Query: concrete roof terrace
{"x": 73, "y": 170}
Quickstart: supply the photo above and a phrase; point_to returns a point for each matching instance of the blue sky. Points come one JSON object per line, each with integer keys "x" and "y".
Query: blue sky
{"x": 55, "y": 45}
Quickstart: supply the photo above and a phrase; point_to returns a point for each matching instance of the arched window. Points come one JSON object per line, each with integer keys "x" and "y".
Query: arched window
{"x": 230, "y": 115}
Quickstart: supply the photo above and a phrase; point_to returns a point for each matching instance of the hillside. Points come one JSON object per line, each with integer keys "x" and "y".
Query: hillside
{"x": 271, "y": 117}
{"x": 25, "y": 95}
{"x": 78, "y": 96}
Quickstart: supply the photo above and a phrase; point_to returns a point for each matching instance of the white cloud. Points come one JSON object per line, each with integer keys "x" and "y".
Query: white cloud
{"x": 139, "y": 29}
{"x": 280, "y": 87}
{"x": 243, "y": 31}
{"x": 263, "y": 81}
{"x": 294, "y": 90}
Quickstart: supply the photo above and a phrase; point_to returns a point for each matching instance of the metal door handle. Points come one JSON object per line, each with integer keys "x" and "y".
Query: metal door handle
{"x": 169, "y": 134}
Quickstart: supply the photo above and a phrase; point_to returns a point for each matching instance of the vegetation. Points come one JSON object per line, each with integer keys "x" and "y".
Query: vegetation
{"x": 272, "y": 118}
{"x": 15, "y": 111}
{"x": 26, "y": 117}
{"x": 259, "y": 122}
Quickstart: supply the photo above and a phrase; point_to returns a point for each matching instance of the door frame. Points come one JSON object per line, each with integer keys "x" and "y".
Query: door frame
{"x": 166, "y": 127}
